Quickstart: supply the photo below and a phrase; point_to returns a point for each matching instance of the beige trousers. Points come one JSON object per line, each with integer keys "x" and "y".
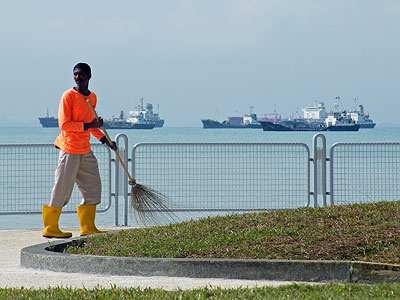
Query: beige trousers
{"x": 81, "y": 169}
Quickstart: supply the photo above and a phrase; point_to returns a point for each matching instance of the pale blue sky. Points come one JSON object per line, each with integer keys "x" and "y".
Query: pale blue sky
{"x": 194, "y": 58}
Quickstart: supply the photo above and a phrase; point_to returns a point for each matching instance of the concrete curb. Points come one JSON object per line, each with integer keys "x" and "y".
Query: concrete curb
{"x": 40, "y": 257}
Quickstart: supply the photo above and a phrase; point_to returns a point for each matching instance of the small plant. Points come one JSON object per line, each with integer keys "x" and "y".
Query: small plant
{"x": 74, "y": 249}
{"x": 51, "y": 246}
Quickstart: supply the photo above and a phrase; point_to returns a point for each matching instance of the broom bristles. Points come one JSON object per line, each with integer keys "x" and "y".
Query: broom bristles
{"x": 150, "y": 206}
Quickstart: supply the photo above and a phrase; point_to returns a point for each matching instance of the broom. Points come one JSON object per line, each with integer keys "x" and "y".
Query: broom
{"x": 144, "y": 200}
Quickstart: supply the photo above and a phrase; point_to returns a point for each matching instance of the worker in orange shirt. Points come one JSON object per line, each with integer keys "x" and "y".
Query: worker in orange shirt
{"x": 76, "y": 163}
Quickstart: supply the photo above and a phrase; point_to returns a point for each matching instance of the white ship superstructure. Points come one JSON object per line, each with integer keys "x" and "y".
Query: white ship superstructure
{"x": 362, "y": 118}
{"x": 316, "y": 112}
{"x": 251, "y": 118}
{"x": 339, "y": 118}
{"x": 147, "y": 114}
{"x": 137, "y": 118}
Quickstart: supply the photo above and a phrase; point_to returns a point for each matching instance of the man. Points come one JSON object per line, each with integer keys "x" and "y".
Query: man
{"x": 76, "y": 163}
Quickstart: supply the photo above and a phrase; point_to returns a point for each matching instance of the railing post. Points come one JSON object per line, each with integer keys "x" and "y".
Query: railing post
{"x": 123, "y": 151}
{"x": 319, "y": 161}
{"x": 331, "y": 194}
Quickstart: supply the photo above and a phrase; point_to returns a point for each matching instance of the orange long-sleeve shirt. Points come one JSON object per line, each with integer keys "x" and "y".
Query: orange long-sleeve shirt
{"x": 73, "y": 112}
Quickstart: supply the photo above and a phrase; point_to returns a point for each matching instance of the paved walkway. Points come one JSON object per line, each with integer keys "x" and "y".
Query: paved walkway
{"x": 13, "y": 275}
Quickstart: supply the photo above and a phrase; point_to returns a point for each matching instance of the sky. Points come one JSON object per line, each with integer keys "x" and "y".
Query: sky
{"x": 196, "y": 59}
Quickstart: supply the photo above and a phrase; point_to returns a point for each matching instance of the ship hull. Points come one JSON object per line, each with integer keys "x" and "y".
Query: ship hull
{"x": 48, "y": 122}
{"x": 350, "y": 127}
{"x": 159, "y": 123}
{"x": 269, "y": 126}
{"x": 128, "y": 125}
{"x": 211, "y": 124}
{"x": 368, "y": 125}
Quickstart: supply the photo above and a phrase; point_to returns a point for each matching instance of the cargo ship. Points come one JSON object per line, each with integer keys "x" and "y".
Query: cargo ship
{"x": 147, "y": 114}
{"x": 116, "y": 123}
{"x": 249, "y": 120}
{"x": 48, "y": 121}
{"x": 315, "y": 118}
{"x": 139, "y": 118}
{"x": 357, "y": 115}
{"x": 132, "y": 122}
{"x": 362, "y": 118}
{"x": 305, "y": 125}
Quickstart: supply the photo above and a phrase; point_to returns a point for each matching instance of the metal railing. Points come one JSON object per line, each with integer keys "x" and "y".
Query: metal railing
{"x": 204, "y": 177}
{"x": 226, "y": 176}
{"x": 364, "y": 172}
{"x": 27, "y": 178}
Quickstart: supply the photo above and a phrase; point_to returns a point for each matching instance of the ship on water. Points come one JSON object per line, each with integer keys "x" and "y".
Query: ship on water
{"x": 315, "y": 118}
{"x": 139, "y": 118}
{"x": 311, "y": 125}
{"x": 48, "y": 121}
{"x": 249, "y": 120}
{"x": 132, "y": 122}
{"x": 148, "y": 113}
{"x": 362, "y": 118}
{"x": 357, "y": 115}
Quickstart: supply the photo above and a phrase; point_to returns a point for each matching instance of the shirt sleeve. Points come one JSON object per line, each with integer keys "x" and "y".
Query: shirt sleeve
{"x": 96, "y": 133}
{"x": 65, "y": 116}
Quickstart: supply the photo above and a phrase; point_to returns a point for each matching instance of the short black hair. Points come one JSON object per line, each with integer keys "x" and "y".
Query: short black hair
{"x": 84, "y": 67}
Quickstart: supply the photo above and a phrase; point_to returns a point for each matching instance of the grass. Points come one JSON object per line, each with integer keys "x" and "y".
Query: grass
{"x": 294, "y": 291}
{"x": 361, "y": 232}
{"x": 368, "y": 232}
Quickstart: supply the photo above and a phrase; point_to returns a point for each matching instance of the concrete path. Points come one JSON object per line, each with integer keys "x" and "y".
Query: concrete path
{"x": 13, "y": 275}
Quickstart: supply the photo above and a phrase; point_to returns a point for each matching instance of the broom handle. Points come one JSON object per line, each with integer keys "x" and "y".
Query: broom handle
{"x": 110, "y": 141}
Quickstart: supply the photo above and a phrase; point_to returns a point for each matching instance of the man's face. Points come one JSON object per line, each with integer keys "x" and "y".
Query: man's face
{"x": 81, "y": 78}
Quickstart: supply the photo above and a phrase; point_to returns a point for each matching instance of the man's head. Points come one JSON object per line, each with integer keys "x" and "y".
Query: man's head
{"x": 82, "y": 74}
{"x": 84, "y": 68}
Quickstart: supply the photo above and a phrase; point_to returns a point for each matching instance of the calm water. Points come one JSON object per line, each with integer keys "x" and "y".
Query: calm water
{"x": 39, "y": 135}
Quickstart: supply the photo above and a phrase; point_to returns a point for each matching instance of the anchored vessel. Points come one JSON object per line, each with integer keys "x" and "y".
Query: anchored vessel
{"x": 139, "y": 118}
{"x": 315, "y": 118}
{"x": 48, "y": 121}
{"x": 249, "y": 120}
{"x": 148, "y": 113}
{"x": 133, "y": 122}
{"x": 362, "y": 118}
{"x": 304, "y": 125}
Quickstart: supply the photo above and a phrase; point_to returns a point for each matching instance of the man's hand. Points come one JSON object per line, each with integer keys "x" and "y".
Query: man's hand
{"x": 96, "y": 123}
{"x": 113, "y": 145}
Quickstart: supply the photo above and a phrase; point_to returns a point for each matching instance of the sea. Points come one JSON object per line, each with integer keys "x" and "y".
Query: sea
{"x": 39, "y": 135}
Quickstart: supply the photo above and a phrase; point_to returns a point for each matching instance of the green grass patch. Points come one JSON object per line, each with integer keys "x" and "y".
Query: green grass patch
{"x": 293, "y": 291}
{"x": 360, "y": 232}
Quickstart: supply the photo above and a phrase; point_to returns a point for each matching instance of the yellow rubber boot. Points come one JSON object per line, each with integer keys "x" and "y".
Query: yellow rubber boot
{"x": 86, "y": 216}
{"x": 51, "y": 215}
